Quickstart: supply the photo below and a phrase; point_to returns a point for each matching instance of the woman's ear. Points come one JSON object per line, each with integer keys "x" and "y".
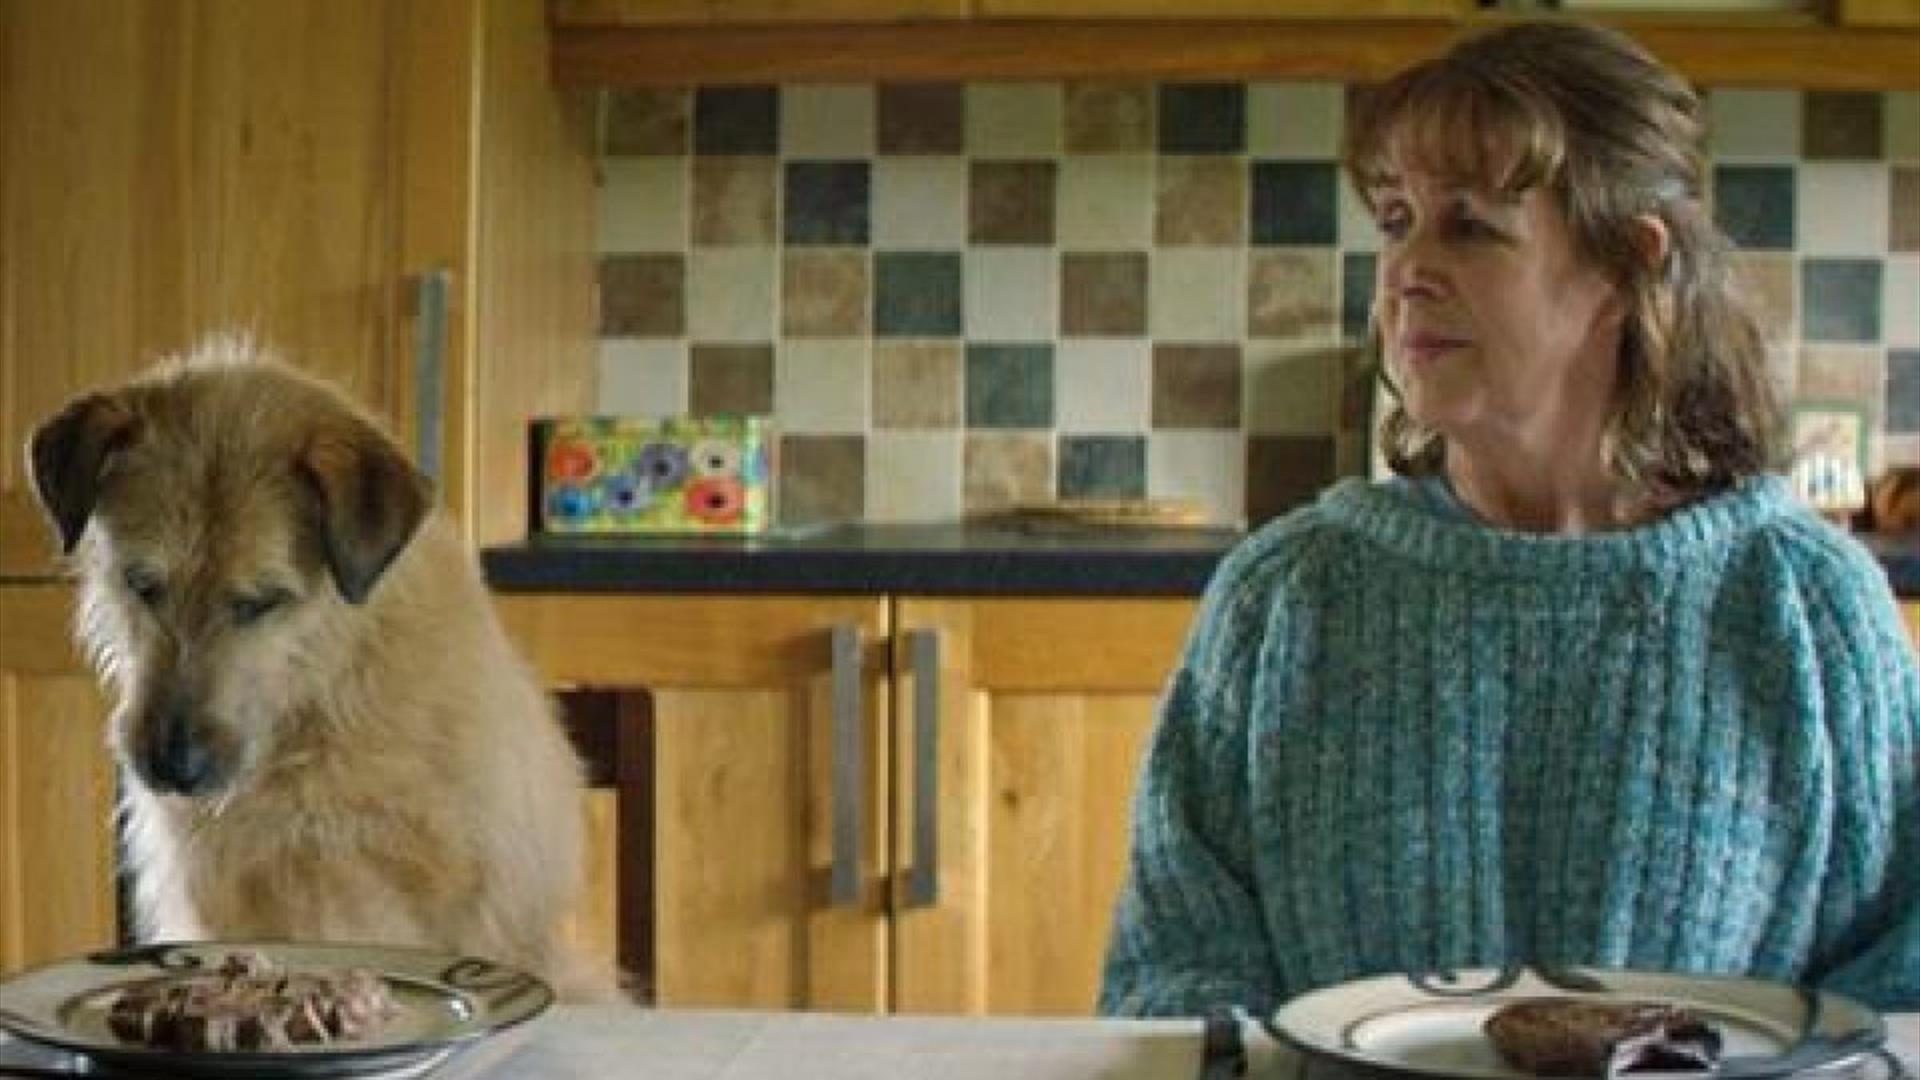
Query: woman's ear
{"x": 1652, "y": 240}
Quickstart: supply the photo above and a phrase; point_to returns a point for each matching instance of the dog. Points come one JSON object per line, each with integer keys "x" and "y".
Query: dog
{"x": 321, "y": 730}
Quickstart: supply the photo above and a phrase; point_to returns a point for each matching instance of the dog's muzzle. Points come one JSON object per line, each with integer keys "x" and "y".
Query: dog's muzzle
{"x": 175, "y": 762}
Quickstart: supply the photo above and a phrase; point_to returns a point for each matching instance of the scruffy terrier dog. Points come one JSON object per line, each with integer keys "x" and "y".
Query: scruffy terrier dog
{"x": 321, "y": 729}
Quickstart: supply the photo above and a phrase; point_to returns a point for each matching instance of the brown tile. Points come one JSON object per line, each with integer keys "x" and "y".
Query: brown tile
{"x": 643, "y": 295}
{"x": 1011, "y": 202}
{"x": 1769, "y": 281}
{"x": 1103, "y": 293}
{"x": 1109, "y": 118}
{"x": 1196, "y": 386}
{"x": 1202, "y": 200}
{"x": 1290, "y": 292}
{"x": 921, "y": 118}
{"x": 824, "y": 293}
{"x": 733, "y": 200}
{"x": 648, "y": 121}
{"x": 916, "y": 384}
{"x": 1855, "y": 374}
{"x": 1286, "y": 471}
{"x": 822, "y": 478}
{"x": 1841, "y": 124}
{"x": 1001, "y": 470}
{"x": 1903, "y": 209}
{"x": 730, "y": 379}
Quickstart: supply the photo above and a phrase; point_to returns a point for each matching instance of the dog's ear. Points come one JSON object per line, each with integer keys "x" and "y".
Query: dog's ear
{"x": 68, "y": 454}
{"x": 369, "y": 499}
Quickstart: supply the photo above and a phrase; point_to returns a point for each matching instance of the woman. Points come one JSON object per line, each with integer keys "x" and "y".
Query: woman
{"x": 1583, "y": 684}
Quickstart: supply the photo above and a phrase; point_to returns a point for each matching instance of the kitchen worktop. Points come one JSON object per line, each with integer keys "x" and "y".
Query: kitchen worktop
{"x": 969, "y": 559}
{"x": 958, "y": 559}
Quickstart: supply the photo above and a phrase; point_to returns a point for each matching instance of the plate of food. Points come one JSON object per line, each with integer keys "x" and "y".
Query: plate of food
{"x": 1514, "y": 1023}
{"x": 267, "y": 1009}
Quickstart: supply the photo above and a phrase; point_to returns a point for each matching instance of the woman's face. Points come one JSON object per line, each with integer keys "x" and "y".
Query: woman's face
{"x": 1499, "y": 333}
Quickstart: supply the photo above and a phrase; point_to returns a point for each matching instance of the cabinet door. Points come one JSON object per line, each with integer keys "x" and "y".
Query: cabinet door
{"x": 56, "y": 788}
{"x": 1226, "y": 9}
{"x": 172, "y": 169}
{"x": 749, "y": 781}
{"x": 1898, "y": 13}
{"x": 1043, "y": 709}
{"x": 745, "y": 12}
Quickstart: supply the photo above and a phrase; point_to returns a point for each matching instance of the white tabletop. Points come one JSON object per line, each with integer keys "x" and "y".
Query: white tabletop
{"x": 608, "y": 1042}
{"x": 592, "y": 1043}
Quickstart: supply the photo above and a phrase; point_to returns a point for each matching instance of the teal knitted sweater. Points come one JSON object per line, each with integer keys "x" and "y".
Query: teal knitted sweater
{"x": 1400, "y": 741}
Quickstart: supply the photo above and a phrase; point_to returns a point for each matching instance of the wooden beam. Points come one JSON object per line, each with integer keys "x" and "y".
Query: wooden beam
{"x": 1736, "y": 54}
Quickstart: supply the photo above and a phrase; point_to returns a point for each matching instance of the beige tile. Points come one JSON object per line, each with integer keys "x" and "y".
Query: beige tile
{"x": 642, "y": 378}
{"x": 1205, "y": 465}
{"x": 1198, "y": 294}
{"x": 919, "y": 203}
{"x": 1290, "y": 292}
{"x": 730, "y": 293}
{"x": 1013, "y": 120}
{"x": 1768, "y": 278}
{"x": 1293, "y": 387}
{"x": 1109, "y": 117}
{"x": 1898, "y": 450}
{"x": 1835, "y": 204}
{"x": 733, "y": 200}
{"x": 1011, "y": 293}
{"x": 1105, "y": 385}
{"x": 917, "y": 384}
{"x": 1005, "y": 469}
{"x": 1900, "y": 301}
{"x": 1201, "y": 201}
{"x": 825, "y": 292}
{"x": 826, "y": 121}
{"x": 643, "y": 204}
{"x": 1106, "y": 201}
{"x": 914, "y": 476}
{"x": 1854, "y": 374}
{"x": 1295, "y": 119}
{"x": 1902, "y": 118}
{"x": 821, "y": 386}
{"x": 1759, "y": 125}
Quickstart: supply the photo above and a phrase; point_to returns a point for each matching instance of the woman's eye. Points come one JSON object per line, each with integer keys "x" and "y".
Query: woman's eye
{"x": 250, "y": 609}
{"x": 143, "y": 583}
{"x": 1393, "y": 223}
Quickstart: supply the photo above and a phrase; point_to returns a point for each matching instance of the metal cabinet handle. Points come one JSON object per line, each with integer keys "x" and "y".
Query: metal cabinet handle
{"x": 849, "y": 767}
{"x": 923, "y": 879}
{"x": 431, "y": 296}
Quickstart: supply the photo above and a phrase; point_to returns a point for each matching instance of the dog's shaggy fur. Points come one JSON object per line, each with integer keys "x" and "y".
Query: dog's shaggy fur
{"x": 321, "y": 729}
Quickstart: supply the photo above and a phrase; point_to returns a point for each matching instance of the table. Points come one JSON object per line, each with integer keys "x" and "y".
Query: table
{"x": 604, "y": 1042}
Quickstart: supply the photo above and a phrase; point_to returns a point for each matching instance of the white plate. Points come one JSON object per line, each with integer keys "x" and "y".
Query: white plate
{"x": 1430, "y": 1026}
{"x": 444, "y": 1001}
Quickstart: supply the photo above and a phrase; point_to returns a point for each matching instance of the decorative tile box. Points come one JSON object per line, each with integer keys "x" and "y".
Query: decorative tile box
{"x": 608, "y": 474}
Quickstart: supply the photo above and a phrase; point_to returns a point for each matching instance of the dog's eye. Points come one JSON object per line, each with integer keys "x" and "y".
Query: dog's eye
{"x": 250, "y": 609}
{"x": 143, "y": 583}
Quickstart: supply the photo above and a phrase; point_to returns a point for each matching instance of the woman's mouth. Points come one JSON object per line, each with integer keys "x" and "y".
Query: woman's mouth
{"x": 1424, "y": 347}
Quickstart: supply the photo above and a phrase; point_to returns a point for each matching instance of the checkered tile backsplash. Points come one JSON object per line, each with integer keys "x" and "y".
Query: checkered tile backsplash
{"x": 958, "y": 297}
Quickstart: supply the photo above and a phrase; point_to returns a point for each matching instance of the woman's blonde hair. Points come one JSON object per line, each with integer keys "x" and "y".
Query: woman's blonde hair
{"x": 1590, "y": 117}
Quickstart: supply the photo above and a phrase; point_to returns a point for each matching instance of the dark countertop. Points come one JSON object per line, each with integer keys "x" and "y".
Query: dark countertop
{"x": 941, "y": 560}
{"x": 949, "y": 560}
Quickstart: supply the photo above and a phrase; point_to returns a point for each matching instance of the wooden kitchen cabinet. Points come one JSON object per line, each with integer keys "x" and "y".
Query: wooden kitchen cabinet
{"x": 1891, "y": 13}
{"x": 392, "y": 194}
{"x": 1030, "y": 715}
{"x": 56, "y": 788}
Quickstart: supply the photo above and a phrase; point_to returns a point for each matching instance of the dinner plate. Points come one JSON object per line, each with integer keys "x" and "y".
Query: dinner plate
{"x": 1430, "y": 1025}
{"x": 443, "y": 1002}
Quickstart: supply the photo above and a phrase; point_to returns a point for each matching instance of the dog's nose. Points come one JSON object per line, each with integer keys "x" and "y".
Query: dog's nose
{"x": 180, "y": 763}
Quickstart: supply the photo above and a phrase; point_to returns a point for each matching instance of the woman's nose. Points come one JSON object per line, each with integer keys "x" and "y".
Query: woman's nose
{"x": 1408, "y": 269}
